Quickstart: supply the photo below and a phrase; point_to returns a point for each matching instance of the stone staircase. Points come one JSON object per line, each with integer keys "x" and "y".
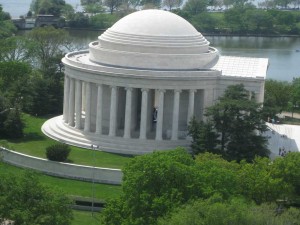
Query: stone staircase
{"x": 56, "y": 129}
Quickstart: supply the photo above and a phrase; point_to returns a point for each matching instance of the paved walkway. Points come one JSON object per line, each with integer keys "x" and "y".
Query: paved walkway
{"x": 283, "y": 136}
{"x": 289, "y": 114}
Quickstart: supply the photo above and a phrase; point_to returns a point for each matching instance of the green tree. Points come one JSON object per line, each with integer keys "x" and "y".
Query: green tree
{"x": 236, "y": 112}
{"x": 48, "y": 44}
{"x": 170, "y": 4}
{"x": 14, "y": 48}
{"x": 236, "y": 211}
{"x": 235, "y": 18}
{"x": 295, "y": 95}
{"x": 112, "y": 5}
{"x": 258, "y": 182}
{"x": 287, "y": 168}
{"x": 152, "y": 185}
{"x": 259, "y": 21}
{"x": 24, "y": 200}
{"x": 203, "y": 137}
{"x": 283, "y": 3}
{"x": 7, "y": 28}
{"x": 151, "y": 3}
{"x": 52, "y": 7}
{"x": 217, "y": 175}
{"x": 277, "y": 96}
{"x": 196, "y": 6}
{"x": 93, "y": 8}
{"x": 78, "y": 20}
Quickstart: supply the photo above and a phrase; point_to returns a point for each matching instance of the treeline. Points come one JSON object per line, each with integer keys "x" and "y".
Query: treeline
{"x": 31, "y": 74}
{"x": 281, "y": 96}
{"x": 173, "y": 188}
{"x": 230, "y": 17}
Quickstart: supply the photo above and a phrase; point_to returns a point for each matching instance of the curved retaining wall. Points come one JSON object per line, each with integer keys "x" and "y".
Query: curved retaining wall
{"x": 66, "y": 170}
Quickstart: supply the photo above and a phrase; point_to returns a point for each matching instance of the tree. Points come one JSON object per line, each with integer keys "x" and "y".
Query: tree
{"x": 277, "y": 96}
{"x": 259, "y": 21}
{"x": 51, "y": 7}
{"x": 258, "y": 182}
{"x": 195, "y": 6}
{"x": 153, "y": 184}
{"x": 203, "y": 137}
{"x": 235, "y": 211}
{"x": 172, "y": 3}
{"x": 283, "y": 3}
{"x": 24, "y": 200}
{"x": 287, "y": 168}
{"x": 234, "y": 113}
{"x": 14, "y": 48}
{"x": 217, "y": 175}
{"x": 112, "y": 5}
{"x": 295, "y": 94}
{"x": 7, "y": 27}
{"x": 48, "y": 44}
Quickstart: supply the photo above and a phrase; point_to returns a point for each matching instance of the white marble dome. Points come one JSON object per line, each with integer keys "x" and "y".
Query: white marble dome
{"x": 154, "y": 40}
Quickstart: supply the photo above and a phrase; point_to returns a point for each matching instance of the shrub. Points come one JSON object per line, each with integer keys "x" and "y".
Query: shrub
{"x": 58, "y": 152}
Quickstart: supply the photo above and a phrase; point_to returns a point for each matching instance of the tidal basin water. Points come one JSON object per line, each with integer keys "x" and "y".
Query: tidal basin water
{"x": 283, "y": 52}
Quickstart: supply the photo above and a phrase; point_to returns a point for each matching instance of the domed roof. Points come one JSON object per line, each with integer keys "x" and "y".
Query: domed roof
{"x": 154, "y": 22}
{"x": 153, "y": 39}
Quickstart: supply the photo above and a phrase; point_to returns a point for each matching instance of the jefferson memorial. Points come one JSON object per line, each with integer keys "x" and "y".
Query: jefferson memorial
{"x": 136, "y": 88}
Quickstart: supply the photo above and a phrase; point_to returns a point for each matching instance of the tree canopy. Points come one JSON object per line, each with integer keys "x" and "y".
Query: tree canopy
{"x": 156, "y": 186}
{"x": 235, "y": 111}
{"x": 24, "y": 200}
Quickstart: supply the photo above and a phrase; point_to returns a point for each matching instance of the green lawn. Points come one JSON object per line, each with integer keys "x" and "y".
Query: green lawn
{"x": 35, "y": 142}
{"x": 71, "y": 187}
{"x": 85, "y": 218}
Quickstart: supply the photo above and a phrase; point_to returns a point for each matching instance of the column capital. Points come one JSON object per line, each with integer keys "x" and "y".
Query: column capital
{"x": 177, "y": 90}
{"x": 128, "y": 88}
{"x": 161, "y": 90}
{"x": 113, "y": 87}
{"x": 145, "y": 89}
{"x": 193, "y": 90}
{"x": 99, "y": 85}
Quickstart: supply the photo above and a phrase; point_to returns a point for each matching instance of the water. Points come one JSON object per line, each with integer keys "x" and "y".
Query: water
{"x": 284, "y": 60}
{"x": 283, "y": 57}
{"x": 18, "y": 8}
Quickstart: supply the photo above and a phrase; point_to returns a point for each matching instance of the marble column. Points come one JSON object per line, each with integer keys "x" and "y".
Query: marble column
{"x": 113, "y": 111}
{"x": 78, "y": 104}
{"x": 191, "y": 105}
{"x": 88, "y": 95}
{"x": 71, "y": 118}
{"x": 160, "y": 115}
{"x": 66, "y": 98}
{"x": 99, "y": 109}
{"x": 143, "y": 123}
{"x": 175, "y": 115}
{"x": 128, "y": 113}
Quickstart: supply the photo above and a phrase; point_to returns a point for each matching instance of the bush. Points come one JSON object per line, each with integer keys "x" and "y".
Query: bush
{"x": 58, "y": 152}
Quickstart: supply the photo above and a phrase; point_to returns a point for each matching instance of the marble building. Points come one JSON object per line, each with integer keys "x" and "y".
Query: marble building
{"x": 135, "y": 89}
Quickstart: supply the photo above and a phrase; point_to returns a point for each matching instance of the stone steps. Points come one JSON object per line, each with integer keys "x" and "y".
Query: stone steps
{"x": 56, "y": 129}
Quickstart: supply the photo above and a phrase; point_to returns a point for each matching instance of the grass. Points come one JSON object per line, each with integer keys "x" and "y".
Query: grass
{"x": 81, "y": 217}
{"x": 290, "y": 120}
{"x": 70, "y": 187}
{"x": 35, "y": 142}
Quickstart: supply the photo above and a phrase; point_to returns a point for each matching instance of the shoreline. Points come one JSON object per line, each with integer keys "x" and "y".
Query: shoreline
{"x": 204, "y": 33}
